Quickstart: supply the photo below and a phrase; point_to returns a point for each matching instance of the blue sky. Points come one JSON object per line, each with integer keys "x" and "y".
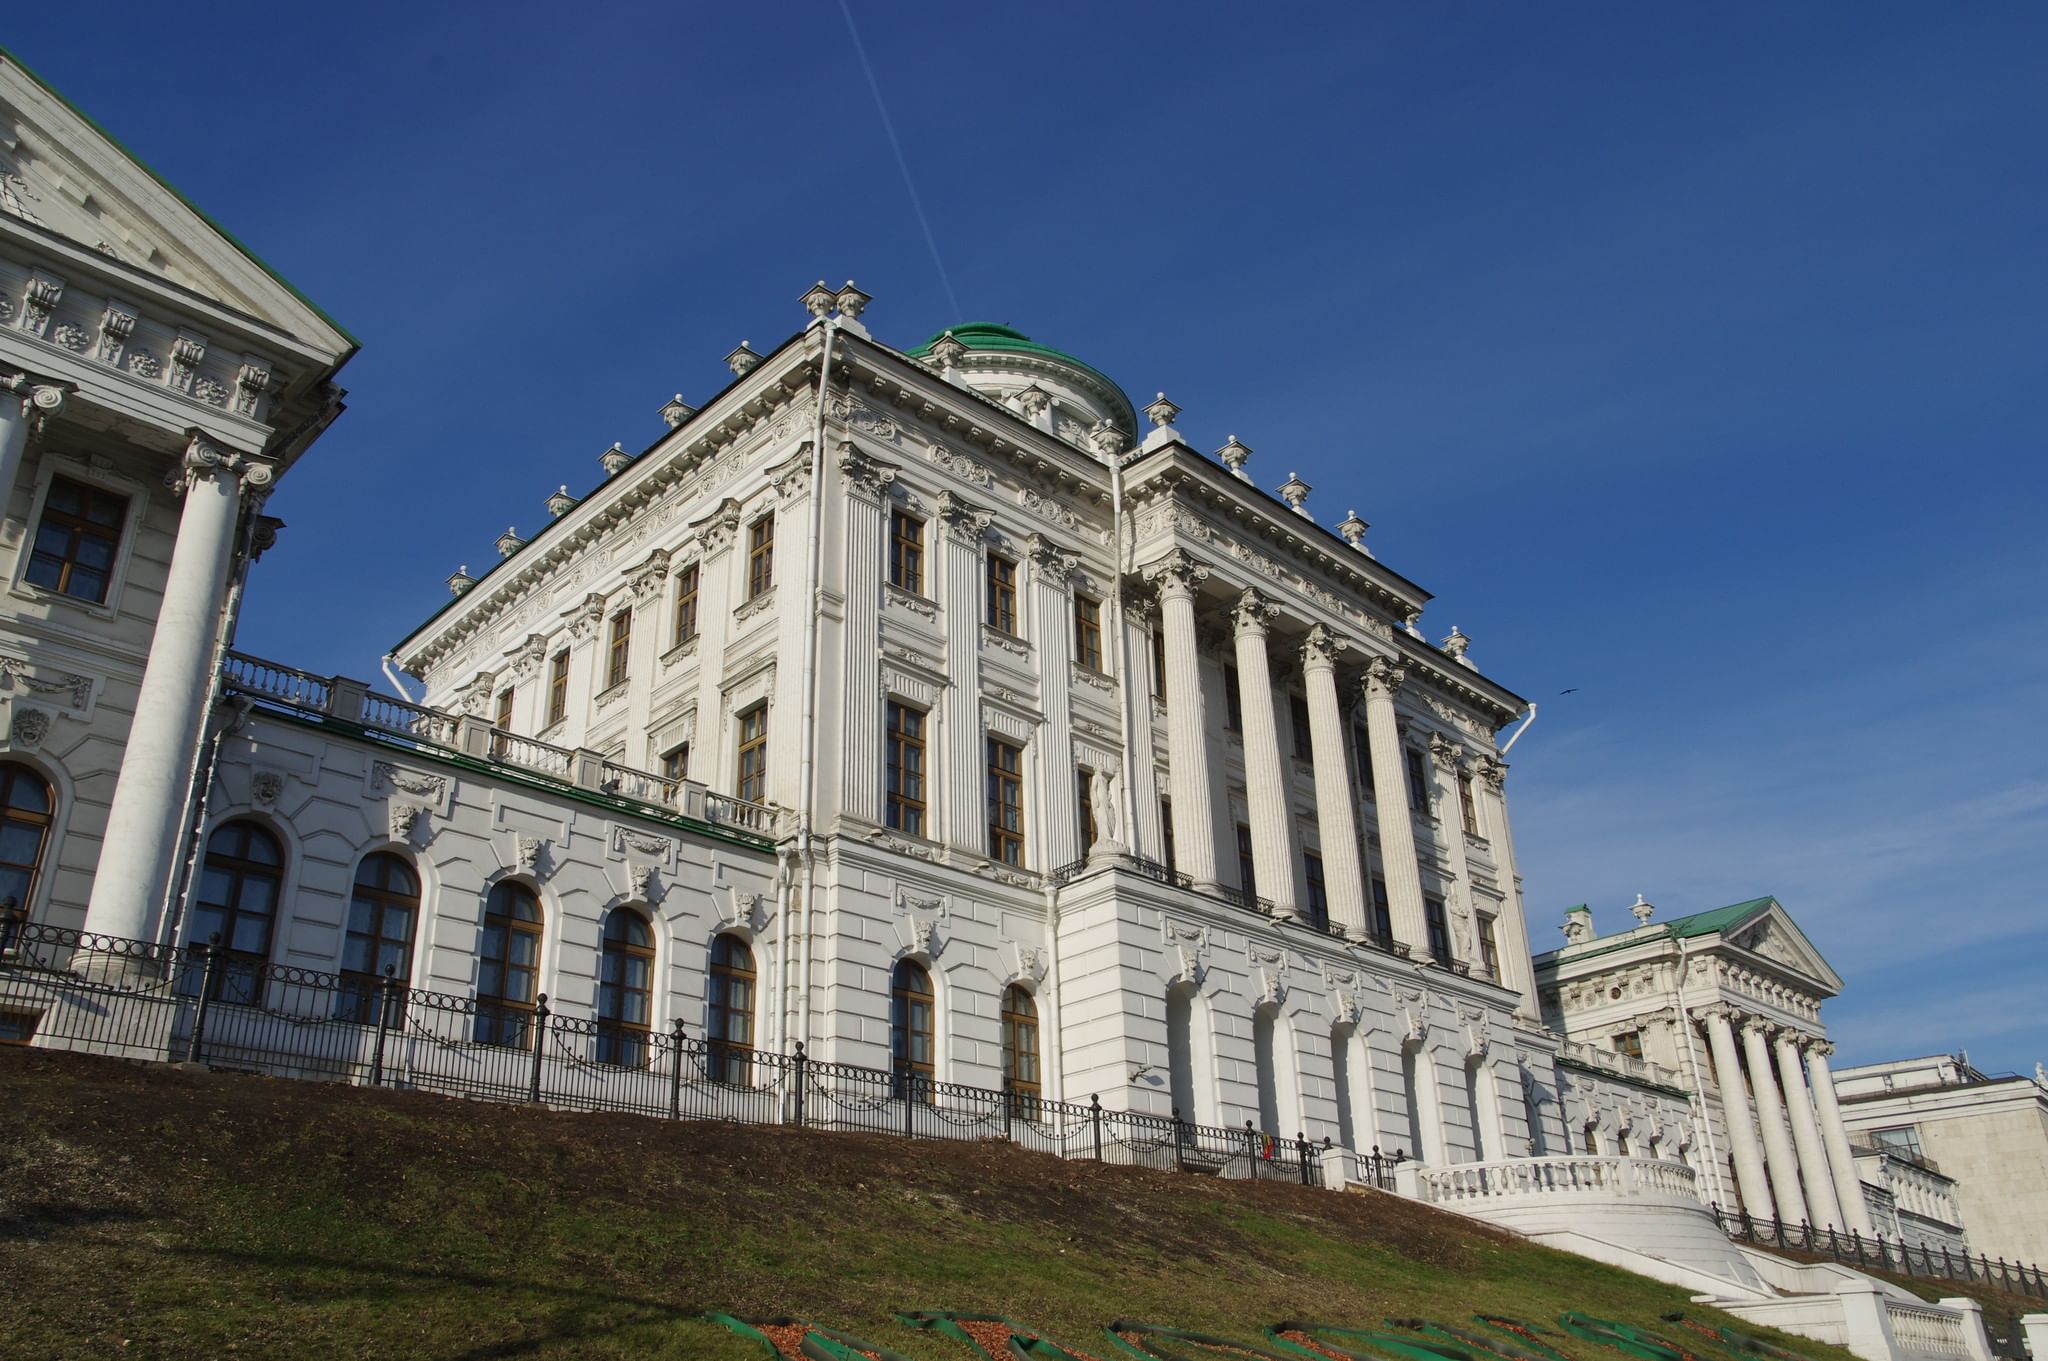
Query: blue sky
{"x": 1693, "y": 357}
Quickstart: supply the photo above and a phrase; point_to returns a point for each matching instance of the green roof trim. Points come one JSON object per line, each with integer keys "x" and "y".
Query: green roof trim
{"x": 989, "y": 335}
{"x": 1720, "y": 919}
{"x": 178, "y": 194}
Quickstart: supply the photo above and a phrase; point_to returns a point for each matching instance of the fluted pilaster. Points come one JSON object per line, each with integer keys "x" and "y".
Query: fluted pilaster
{"x": 1272, "y": 812}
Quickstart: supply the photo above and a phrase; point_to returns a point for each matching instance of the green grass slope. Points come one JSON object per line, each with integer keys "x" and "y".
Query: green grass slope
{"x": 146, "y": 1211}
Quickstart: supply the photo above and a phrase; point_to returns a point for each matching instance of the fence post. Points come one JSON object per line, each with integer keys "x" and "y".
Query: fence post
{"x": 1180, "y": 1141}
{"x": 384, "y": 987}
{"x": 1251, "y": 1151}
{"x": 208, "y": 954}
{"x": 675, "y": 1073}
{"x": 910, "y": 1081}
{"x": 1095, "y": 1119}
{"x": 1009, "y": 1106}
{"x": 803, "y": 1063}
{"x": 540, "y": 1037}
{"x": 1301, "y": 1147}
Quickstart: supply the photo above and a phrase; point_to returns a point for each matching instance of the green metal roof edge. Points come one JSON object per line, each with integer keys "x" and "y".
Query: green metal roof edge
{"x": 1719, "y": 918}
{"x": 630, "y": 807}
{"x": 204, "y": 216}
{"x": 1025, "y": 345}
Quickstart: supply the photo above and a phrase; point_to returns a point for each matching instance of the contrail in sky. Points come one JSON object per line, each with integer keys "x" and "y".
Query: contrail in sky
{"x": 895, "y": 145}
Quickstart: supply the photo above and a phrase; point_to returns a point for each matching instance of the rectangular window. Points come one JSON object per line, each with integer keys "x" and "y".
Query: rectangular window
{"x": 1418, "y": 780}
{"x": 620, "y": 650}
{"x": 1439, "y": 928}
{"x": 504, "y": 716}
{"x": 1166, "y": 827}
{"x": 904, "y": 804}
{"x": 1088, "y": 632}
{"x": 1362, "y": 745}
{"x": 18, "y": 1027}
{"x": 906, "y": 551}
{"x": 558, "y": 687}
{"x": 760, "y": 555}
{"x": 1246, "y": 880}
{"x": 1382, "y": 912}
{"x": 1318, "y": 892}
{"x": 1304, "y": 736}
{"x": 1489, "y": 949}
{"x": 1629, "y": 1043}
{"x": 1233, "y": 701}
{"x": 1159, "y": 664}
{"x": 77, "y": 540}
{"x": 1468, "y": 807}
{"x": 675, "y": 763}
{"x": 1084, "y": 797}
{"x": 1005, "y": 801}
{"x": 1002, "y": 594}
{"x": 751, "y": 778}
{"x": 686, "y": 605}
{"x": 1904, "y": 1140}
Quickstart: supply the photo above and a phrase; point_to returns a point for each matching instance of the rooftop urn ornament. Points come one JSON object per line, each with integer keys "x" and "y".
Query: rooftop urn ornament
{"x": 742, "y": 360}
{"x": 614, "y": 459}
{"x": 1107, "y": 440}
{"x": 1408, "y": 625}
{"x": 819, "y": 301}
{"x": 1353, "y": 529}
{"x": 509, "y": 542}
{"x": 1161, "y": 412}
{"x": 947, "y": 350}
{"x": 1456, "y": 645}
{"x": 1033, "y": 401}
{"x": 1642, "y": 909}
{"x": 1578, "y": 925}
{"x": 561, "y": 503}
{"x": 1234, "y": 456}
{"x": 676, "y": 411}
{"x": 461, "y": 581}
{"x": 1295, "y": 492}
{"x": 852, "y": 302}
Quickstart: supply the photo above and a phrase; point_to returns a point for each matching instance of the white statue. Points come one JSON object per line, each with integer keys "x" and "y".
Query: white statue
{"x": 1102, "y": 795}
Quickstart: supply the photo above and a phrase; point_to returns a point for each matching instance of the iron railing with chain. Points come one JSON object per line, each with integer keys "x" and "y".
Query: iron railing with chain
{"x": 65, "y": 989}
{"x": 1885, "y": 1254}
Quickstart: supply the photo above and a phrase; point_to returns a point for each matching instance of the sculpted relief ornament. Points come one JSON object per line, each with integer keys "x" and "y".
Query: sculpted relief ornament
{"x": 1176, "y": 574}
{"x": 1321, "y": 648}
{"x": 1384, "y": 678}
{"x": 1252, "y": 613}
{"x": 864, "y": 475}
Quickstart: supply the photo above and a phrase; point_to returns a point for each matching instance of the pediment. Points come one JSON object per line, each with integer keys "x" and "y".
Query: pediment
{"x": 1772, "y": 937}
{"x": 61, "y": 175}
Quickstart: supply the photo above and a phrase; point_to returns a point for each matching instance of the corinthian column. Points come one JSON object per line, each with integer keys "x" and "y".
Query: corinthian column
{"x": 1272, "y": 811}
{"x": 1841, "y": 1162}
{"x": 1397, "y": 833}
{"x": 1336, "y": 818}
{"x": 1770, "y": 1114}
{"x": 1816, "y": 1177}
{"x": 177, "y": 683}
{"x": 1749, "y": 1161}
{"x": 1187, "y": 742}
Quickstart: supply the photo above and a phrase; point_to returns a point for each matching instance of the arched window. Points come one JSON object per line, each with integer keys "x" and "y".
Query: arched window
{"x": 910, "y": 1032}
{"x": 25, "y": 805}
{"x": 508, "y": 966}
{"x": 383, "y": 910}
{"x": 729, "y": 1011}
{"x": 625, "y": 989}
{"x": 1020, "y": 1052}
{"x": 1343, "y": 1036}
{"x": 237, "y": 899}
{"x": 1180, "y": 1051}
{"x": 1265, "y": 1052}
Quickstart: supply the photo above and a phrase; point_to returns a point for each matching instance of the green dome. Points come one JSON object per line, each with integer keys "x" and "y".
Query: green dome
{"x": 989, "y": 335}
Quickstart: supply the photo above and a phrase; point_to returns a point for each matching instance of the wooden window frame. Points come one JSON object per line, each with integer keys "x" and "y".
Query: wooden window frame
{"x": 675, "y": 763}
{"x": 906, "y": 769}
{"x": 1488, "y": 932}
{"x": 1233, "y": 701}
{"x": 13, "y": 773}
{"x": 1318, "y": 902}
{"x": 750, "y": 763}
{"x": 357, "y": 993}
{"x": 558, "y": 687}
{"x": 1382, "y": 912}
{"x": 237, "y": 973}
{"x": 686, "y": 605}
{"x": 1304, "y": 729}
{"x": 1084, "y": 799}
{"x": 1417, "y": 767}
{"x": 503, "y": 1018}
{"x": 619, "y": 648}
{"x": 1024, "y": 1093}
{"x": 761, "y": 556}
{"x": 1247, "y": 862}
{"x": 912, "y": 1078}
{"x": 1166, "y": 831}
{"x": 1005, "y": 790}
{"x": 1468, "y": 805}
{"x": 1000, "y": 574}
{"x": 730, "y": 996}
{"x": 906, "y": 551}
{"x": 622, "y": 1043}
{"x": 1088, "y": 633}
{"x": 1436, "y": 919}
{"x": 55, "y": 571}
{"x": 1159, "y": 664}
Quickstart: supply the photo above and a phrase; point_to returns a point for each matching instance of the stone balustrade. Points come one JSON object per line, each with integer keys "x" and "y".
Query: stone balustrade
{"x": 1587, "y": 1176}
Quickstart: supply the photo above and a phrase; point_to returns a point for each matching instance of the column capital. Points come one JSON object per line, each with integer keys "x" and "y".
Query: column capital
{"x": 965, "y": 524}
{"x": 1757, "y": 1026}
{"x": 1818, "y": 1048}
{"x": 204, "y": 458}
{"x": 865, "y": 476}
{"x": 1493, "y": 770}
{"x": 1176, "y": 575}
{"x": 1445, "y": 753}
{"x": 1057, "y": 566}
{"x": 1384, "y": 678}
{"x": 1321, "y": 649}
{"x": 1252, "y": 612}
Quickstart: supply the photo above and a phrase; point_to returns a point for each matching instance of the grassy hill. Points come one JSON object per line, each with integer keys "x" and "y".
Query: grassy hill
{"x": 152, "y": 1212}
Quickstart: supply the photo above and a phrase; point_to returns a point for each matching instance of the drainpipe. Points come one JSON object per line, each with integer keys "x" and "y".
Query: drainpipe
{"x": 391, "y": 674}
{"x": 1516, "y": 736}
{"x": 1699, "y": 1080}
{"x": 785, "y": 883}
{"x": 807, "y": 757}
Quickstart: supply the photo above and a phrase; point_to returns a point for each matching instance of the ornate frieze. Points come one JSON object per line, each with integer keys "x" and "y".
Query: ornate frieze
{"x": 74, "y": 691}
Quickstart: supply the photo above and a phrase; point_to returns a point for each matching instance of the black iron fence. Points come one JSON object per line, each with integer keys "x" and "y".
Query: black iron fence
{"x": 1885, "y": 1254}
{"x": 64, "y": 989}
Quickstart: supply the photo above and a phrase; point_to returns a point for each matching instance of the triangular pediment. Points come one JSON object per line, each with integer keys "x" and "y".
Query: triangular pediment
{"x": 1771, "y": 936}
{"x": 63, "y": 175}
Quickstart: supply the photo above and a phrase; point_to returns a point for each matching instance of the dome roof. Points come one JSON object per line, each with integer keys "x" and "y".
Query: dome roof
{"x": 994, "y": 339}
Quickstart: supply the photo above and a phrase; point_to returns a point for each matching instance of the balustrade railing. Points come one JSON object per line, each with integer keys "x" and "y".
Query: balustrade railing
{"x": 1885, "y": 1254}
{"x": 132, "y": 999}
{"x": 1627, "y": 1065}
{"x": 737, "y": 812}
{"x": 1589, "y": 1175}
{"x": 267, "y": 680}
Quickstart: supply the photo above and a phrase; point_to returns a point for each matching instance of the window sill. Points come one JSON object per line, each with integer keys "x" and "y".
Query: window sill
{"x": 754, "y": 605}
{"x": 922, "y": 606}
{"x": 43, "y": 595}
{"x": 685, "y": 649}
{"x": 991, "y": 636}
{"x": 611, "y": 694}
